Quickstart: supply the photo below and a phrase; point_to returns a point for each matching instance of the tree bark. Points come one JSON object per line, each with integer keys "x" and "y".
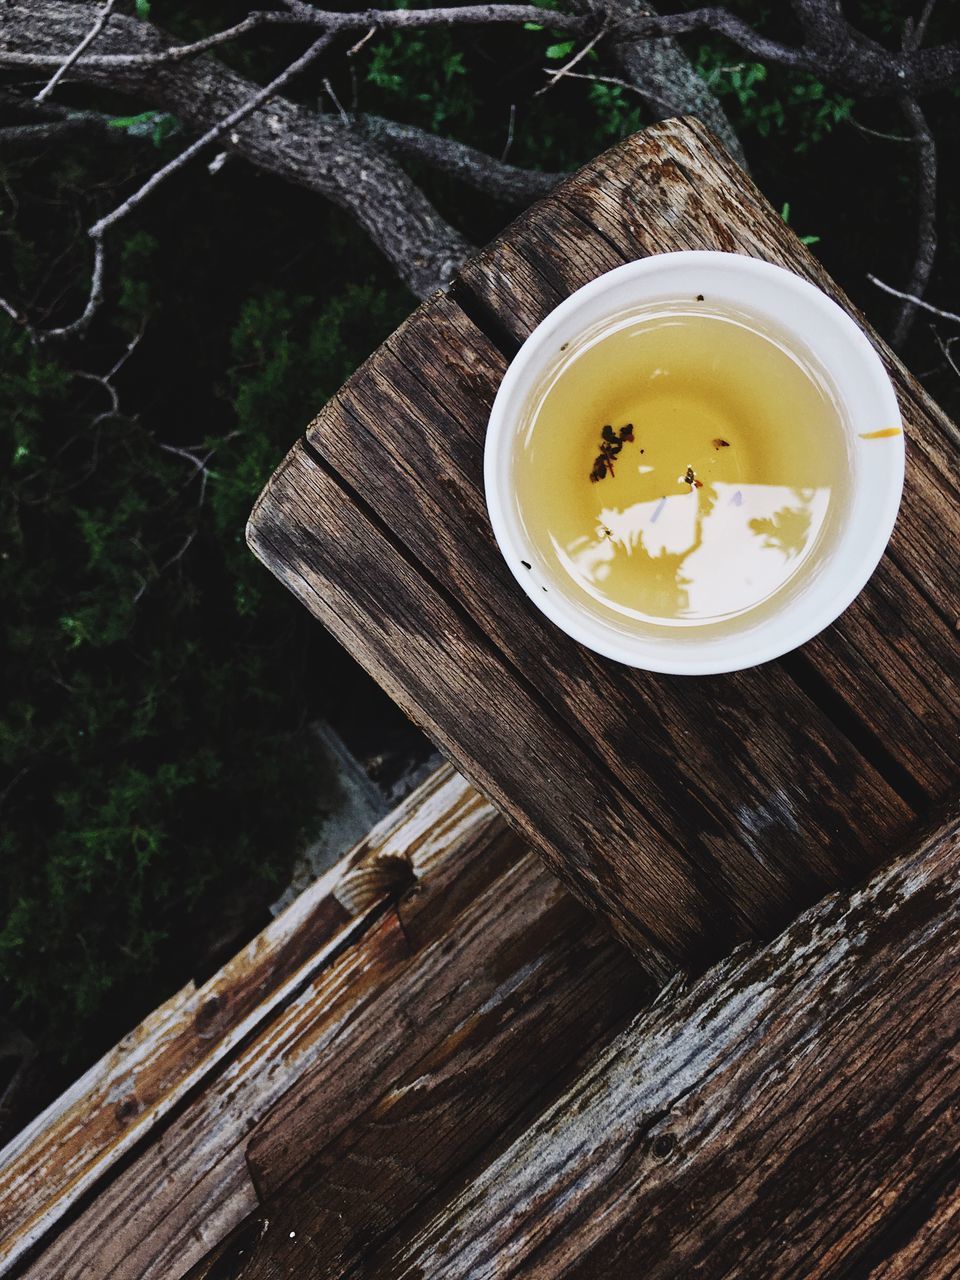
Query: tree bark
{"x": 670, "y": 84}
{"x": 282, "y": 138}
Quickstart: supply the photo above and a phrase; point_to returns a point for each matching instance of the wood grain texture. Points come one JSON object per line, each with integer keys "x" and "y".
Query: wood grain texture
{"x": 81, "y": 1136}
{"x": 758, "y": 791}
{"x": 438, "y": 666}
{"x": 793, "y": 1114}
{"x": 432, "y": 989}
{"x": 743, "y": 772}
{"x": 526, "y": 982}
{"x": 185, "y": 1086}
{"x": 673, "y": 187}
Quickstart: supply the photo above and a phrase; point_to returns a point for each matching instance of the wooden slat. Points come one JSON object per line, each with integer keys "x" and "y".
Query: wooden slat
{"x": 744, "y": 772}
{"x": 672, "y": 187}
{"x": 544, "y": 981}
{"x": 924, "y": 1242}
{"x": 510, "y": 952}
{"x": 792, "y": 1114}
{"x": 760, "y": 790}
{"x": 189, "y": 1042}
{"x": 76, "y": 1141}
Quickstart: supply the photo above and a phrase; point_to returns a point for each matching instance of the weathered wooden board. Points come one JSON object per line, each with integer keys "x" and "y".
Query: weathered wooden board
{"x": 78, "y": 1139}
{"x": 483, "y": 945}
{"x": 793, "y": 1114}
{"x": 690, "y": 813}
{"x": 76, "y": 1143}
{"x": 700, "y": 755}
{"x": 892, "y": 660}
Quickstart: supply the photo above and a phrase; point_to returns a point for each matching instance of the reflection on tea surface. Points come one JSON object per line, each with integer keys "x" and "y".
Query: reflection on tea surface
{"x": 680, "y": 469}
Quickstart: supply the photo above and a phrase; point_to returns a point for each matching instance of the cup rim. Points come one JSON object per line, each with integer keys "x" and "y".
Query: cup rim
{"x": 810, "y": 317}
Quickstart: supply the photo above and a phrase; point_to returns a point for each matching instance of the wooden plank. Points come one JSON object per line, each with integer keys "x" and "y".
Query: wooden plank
{"x": 126, "y": 1098}
{"x": 743, "y": 772}
{"x": 81, "y": 1136}
{"x": 776, "y": 1120}
{"x": 516, "y": 953}
{"x": 776, "y": 784}
{"x": 673, "y": 187}
{"x": 558, "y": 982}
{"x": 924, "y": 1241}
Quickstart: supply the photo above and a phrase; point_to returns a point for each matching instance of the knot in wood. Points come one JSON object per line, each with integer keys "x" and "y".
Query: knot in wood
{"x": 388, "y": 876}
{"x": 663, "y": 1145}
{"x": 206, "y": 1015}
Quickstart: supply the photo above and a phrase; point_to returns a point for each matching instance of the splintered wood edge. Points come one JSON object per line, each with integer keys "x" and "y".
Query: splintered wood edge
{"x": 74, "y": 1143}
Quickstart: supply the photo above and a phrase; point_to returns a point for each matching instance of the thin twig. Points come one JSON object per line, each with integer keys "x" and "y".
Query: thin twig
{"x": 355, "y": 48}
{"x": 216, "y": 131}
{"x": 577, "y": 57}
{"x": 926, "y": 250}
{"x": 11, "y": 311}
{"x": 585, "y": 75}
{"x": 877, "y": 133}
{"x": 331, "y": 94}
{"x": 920, "y": 30}
{"x": 104, "y": 380}
{"x": 510, "y": 127}
{"x": 72, "y": 57}
{"x": 94, "y": 298}
{"x": 917, "y": 302}
{"x": 945, "y": 348}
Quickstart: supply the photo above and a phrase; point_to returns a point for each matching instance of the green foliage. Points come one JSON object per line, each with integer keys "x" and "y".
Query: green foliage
{"x": 618, "y": 112}
{"x": 144, "y": 740}
{"x": 424, "y": 74}
{"x": 155, "y": 773}
{"x": 773, "y": 101}
{"x": 785, "y": 215}
{"x": 155, "y": 125}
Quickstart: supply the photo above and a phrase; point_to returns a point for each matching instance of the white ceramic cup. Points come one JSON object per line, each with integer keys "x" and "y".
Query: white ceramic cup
{"x": 821, "y": 334}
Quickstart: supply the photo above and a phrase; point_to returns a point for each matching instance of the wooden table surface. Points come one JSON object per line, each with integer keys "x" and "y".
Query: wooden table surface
{"x": 691, "y": 813}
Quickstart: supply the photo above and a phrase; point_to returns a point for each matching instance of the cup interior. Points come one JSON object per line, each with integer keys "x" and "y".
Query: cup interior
{"x": 826, "y": 341}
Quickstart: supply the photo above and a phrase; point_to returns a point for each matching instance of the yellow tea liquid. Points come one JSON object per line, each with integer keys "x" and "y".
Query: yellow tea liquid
{"x": 680, "y": 469}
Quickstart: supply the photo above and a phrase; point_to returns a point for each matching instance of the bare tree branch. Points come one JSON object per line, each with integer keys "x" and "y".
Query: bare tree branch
{"x": 917, "y": 302}
{"x": 27, "y": 137}
{"x": 82, "y": 322}
{"x": 659, "y": 70}
{"x": 100, "y": 228}
{"x": 446, "y": 16}
{"x": 215, "y": 131}
{"x": 475, "y": 168}
{"x": 305, "y": 15}
{"x": 832, "y": 47}
{"x": 94, "y": 299}
{"x": 336, "y": 159}
{"x": 283, "y": 138}
{"x": 71, "y": 58}
{"x": 926, "y": 220}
